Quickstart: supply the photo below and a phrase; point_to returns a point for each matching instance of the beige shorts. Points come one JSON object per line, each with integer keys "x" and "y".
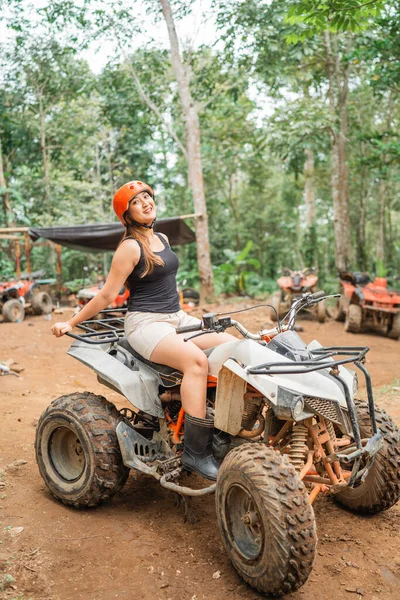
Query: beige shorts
{"x": 145, "y": 330}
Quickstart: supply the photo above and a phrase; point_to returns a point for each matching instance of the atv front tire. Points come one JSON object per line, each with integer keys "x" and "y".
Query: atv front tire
{"x": 77, "y": 449}
{"x": 321, "y": 312}
{"x": 42, "y": 304}
{"x": 394, "y": 332}
{"x": 353, "y": 318}
{"x": 13, "y": 311}
{"x": 266, "y": 520}
{"x": 381, "y": 488}
{"x": 339, "y": 312}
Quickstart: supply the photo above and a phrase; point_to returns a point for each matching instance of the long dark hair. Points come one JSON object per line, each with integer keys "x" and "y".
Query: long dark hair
{"x": 151, "y": 260}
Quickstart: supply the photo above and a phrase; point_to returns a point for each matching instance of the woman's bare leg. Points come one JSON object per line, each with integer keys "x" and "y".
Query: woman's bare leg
{"x": 188, "y": 358}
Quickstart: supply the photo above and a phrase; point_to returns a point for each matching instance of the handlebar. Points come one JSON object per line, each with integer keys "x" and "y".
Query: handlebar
{"x": 190, "y": 328}
{"x": 211, "y": 323}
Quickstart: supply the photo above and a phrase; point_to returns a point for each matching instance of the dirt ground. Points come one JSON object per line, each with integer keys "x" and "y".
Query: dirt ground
{"x": 137, "y": 546}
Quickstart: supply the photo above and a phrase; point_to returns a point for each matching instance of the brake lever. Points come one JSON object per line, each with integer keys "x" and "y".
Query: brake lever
{"x": 198, "y": 335}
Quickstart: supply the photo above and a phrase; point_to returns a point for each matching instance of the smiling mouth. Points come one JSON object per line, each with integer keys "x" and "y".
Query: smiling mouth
{"x": 149, "y": 210}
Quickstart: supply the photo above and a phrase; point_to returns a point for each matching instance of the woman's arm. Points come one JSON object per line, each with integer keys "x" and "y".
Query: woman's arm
{"x": 124, "y": 261}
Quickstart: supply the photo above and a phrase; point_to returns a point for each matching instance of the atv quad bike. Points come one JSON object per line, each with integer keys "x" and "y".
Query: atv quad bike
{"x": 27, "y": 294}
{"x": 366, "y": 303}
{"x": 188, "y": 297}
{"x": 292, "y": 284}
{"x": 289, "y": 427}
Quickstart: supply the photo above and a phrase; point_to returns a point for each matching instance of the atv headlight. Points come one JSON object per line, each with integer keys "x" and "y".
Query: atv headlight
{"x": 290, "y": 404}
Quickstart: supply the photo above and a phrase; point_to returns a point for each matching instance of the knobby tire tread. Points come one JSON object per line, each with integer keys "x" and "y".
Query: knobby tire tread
{"x": 290, "y": 515}
{"x": 99, "y": 418}
{"x": 394, "y": 333}
{"x": 381, "y": 489}
{"x": 353, "y": 318}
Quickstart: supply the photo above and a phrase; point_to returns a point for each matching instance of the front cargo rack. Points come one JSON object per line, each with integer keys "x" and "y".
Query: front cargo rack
{"x": 324, "y": 360}
{"x": 106, "y": 330}
{"x": 355, "y": 354}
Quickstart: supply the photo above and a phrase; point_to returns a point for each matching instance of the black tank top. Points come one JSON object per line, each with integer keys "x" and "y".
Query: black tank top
{"x": 157, "y": 291}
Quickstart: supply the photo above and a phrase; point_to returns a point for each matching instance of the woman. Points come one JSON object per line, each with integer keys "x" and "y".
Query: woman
{"x": 146, "y": 262}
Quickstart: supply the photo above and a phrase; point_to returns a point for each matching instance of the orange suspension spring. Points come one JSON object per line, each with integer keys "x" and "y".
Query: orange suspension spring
{"x": 298, "y": 446}
{"x": 331, "y": 430}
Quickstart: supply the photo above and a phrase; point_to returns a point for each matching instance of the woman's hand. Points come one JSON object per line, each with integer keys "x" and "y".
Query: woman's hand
{"x": 60, "y": 329}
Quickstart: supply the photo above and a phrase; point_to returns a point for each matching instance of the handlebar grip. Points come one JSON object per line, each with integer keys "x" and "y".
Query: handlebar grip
{"x": 317, "y": 295}
{"x": 190, "y": 328}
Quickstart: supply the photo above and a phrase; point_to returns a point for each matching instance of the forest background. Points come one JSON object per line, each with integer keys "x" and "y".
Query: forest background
{"x": 296, "y": 105}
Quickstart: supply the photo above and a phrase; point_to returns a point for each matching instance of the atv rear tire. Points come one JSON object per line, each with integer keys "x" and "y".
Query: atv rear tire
{"x": 266, "y": 520}
{"x": 276, "y": 303}
{"x": 394, "y": 332}
{"x": 381, "y": 488}
{"x": 13, "y": 311}
{"x": 353, "y": 318}
{"x": 77, "y": 449}
{"x": 321, "y": 312}
{"x": 42, "y": 304}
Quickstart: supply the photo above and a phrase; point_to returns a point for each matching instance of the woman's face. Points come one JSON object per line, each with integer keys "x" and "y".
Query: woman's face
{"x": 142, "y": 208}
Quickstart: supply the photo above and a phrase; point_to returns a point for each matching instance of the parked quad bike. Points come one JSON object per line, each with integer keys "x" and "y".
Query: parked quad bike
{"x": 366, "y": 303}
{"x": 292, "y": 284}
{"x": 289, "y": 426}
{"x": 188, "y": 297}
{"x": 27, "y": 294}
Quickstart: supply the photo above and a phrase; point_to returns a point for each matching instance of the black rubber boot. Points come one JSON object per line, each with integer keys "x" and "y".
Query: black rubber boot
{"x": 221, "y": 444}
{"x": 197, "y": 452}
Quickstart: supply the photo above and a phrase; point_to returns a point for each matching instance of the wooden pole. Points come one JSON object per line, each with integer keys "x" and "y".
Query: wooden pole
{"x": 59, "y": 268}
{"x": 17, "y": 258}
{"x": 28, "y": 253}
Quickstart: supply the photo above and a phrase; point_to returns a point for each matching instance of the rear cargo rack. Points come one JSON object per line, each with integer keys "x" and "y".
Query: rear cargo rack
{"x": 107, "y": 330}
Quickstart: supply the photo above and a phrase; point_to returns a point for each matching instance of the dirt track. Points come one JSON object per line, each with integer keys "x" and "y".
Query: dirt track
{"x": 137, "y": 546}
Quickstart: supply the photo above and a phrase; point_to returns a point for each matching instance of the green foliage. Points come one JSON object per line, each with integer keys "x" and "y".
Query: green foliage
{"x": 262, "y": 99}
{"x": 335, "y": 15}
{"x": 231, "y": 276}
{"x": 380, "y": 269}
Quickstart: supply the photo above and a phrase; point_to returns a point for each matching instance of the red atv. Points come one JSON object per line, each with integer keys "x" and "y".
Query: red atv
{"x": 25, "y": 295}
{"x": 293, "y": 284}
{"x": 189, "y": 298}
{"x": 368, "y": 303}
{"x": 86, "y": 294}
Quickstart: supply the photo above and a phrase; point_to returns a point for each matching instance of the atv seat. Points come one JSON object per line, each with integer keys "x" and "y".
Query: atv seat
{"x": 356, "y": 277}
{"x": 162, "y": 369}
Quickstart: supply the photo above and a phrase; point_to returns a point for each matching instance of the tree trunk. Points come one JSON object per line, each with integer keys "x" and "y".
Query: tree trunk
{"x": 46, "y": 170}
{"x": 380, "y": 240}
{"x": 195, "y": 169}
{"x": 361, "y": 250}
{"x": 309, "y": 192}
{"x": 8, "y": 213}
{"x": 232, "y": 198}
{"x": 340, "y": 205}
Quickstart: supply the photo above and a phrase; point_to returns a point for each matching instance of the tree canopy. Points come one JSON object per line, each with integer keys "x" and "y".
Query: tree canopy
{"x": 298, "y": 115}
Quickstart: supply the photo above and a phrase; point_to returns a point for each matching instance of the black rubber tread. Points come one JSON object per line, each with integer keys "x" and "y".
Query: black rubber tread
{"x": 288, "y": 518}
{"x": 381, "y": 489}
{"x": 353, "y": 318}
{"x": 8, "y": 311}
{"x": 394, "y": 332}
{"x": 321, "y": 312}
{"x": 42, "y": 303}
{"x": 94, "y": 419}
{"x": 275, "y": 300}
{"x": 339, "y": 310}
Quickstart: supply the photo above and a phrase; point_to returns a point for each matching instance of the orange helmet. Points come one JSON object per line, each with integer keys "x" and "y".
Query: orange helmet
{"x": 125, "y": 194}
